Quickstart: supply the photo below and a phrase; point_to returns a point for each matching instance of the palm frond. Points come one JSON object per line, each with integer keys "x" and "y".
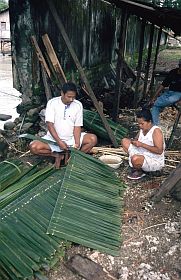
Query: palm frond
{"x": 11, "y": 171}
{"x": 23, "y": 185}
{"x": 88, "y": 207}
{"x": 24, "y": 244}
{"x": 93, "y": 122}
{"x": 80, "y": 203}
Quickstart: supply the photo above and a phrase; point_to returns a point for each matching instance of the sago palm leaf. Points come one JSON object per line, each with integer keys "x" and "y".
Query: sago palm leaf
{"x": 25, "y": 246}
{"x": 11, "y": 171}
{"x": 80, "y": 203}
{"x": 23, "y": 185}
{"x": 88, "y": 207}
{"x": 93, "y": 122}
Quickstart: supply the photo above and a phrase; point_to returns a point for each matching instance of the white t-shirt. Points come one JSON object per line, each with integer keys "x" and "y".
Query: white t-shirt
{"x": 64, "y": 117}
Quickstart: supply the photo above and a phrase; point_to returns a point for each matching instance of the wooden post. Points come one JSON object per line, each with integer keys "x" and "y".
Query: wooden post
{"x": 168, "y": 184}
{"x": 174, "y": 127}
{"x": 148, "y": 60}
{"x": 81, "y": 71}
{"x": 155, "y": 60}
{"x": 54, "y": 60}
{"x": 120, "y": 64}
{"x": 141, "y": 46}
{"x": 46, "y": 85}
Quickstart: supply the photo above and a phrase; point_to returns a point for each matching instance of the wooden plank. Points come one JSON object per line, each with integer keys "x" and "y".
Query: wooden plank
{"x": 46, "y": 85}
{"x": 40, "y": 55}
{"x": 81, "y": 71}
{"x": 54, "y": 60}
{"x": 168, "y": 184}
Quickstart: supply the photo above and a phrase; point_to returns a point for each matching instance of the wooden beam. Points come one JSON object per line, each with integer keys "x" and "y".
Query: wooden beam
{"x": 136, "y": 95}
{"x": 155, "y": 60}
{"x": 120, "y": 64}
{"x": 81, "y": 71}
{"x": 148, "y": 60}
{"x": 40, "y": 55}
{"x": 174, "y": 127}
{"x": 54, "y": 60}
{"x": 168, "y": 184}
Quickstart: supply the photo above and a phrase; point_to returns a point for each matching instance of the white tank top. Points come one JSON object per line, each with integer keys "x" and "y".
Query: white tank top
{"x": 148, "y": 139}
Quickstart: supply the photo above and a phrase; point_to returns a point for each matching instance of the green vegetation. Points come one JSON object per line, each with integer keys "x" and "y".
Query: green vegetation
{"x": 171, "y": 54}
{"x": 93, "y": 122}
{"x": 3, "y": 5}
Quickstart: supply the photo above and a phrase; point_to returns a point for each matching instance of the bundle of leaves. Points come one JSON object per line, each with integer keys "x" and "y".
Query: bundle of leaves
{"x": 93, "y": 122}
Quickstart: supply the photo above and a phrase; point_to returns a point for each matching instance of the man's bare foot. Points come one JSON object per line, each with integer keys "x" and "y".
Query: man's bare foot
{"x": 58, "y": 158}
{"x": 67, "y": 157}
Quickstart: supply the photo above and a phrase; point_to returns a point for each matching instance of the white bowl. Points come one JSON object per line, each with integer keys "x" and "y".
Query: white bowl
{"x": 113, "y": 161}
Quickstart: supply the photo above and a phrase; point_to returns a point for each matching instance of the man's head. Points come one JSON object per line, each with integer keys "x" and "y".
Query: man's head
{"x": 69, "y": 91}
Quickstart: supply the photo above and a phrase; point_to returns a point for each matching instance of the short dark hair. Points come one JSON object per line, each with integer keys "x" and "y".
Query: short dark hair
{"x": 69, "y": 86}
{"x": 145, "y": 114}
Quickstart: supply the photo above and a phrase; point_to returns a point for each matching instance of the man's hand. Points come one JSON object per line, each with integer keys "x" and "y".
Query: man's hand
{"x": 63, "y": 145}
{"x": 76, "y": 146}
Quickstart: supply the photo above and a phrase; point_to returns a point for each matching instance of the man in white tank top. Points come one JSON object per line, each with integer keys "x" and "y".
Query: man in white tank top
{"x": 64, "y": 119}
{"x": 146, "y": 151}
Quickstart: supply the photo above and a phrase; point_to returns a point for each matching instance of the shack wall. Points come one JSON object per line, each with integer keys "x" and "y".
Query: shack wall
{"x": 92, "y": 26}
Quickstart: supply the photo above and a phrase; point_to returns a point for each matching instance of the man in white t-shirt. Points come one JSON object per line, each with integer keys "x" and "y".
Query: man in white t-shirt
{"x": 64, "y": 119}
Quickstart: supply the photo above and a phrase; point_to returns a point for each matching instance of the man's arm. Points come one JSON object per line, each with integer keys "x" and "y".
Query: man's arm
{"x": 157, "y": 140}
{"x": 54, "y": 134}
{"x": 77, "y": 125}
{"x": 77, "y": 133}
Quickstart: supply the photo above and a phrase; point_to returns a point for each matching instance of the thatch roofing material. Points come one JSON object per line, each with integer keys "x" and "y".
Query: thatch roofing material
{"x": 84, "y": 200}
{"x": 88, "y": 207}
